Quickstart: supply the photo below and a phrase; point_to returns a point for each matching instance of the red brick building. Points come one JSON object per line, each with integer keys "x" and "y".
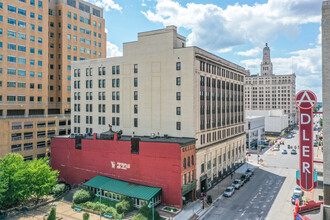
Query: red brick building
{"x": 165, "y": 162}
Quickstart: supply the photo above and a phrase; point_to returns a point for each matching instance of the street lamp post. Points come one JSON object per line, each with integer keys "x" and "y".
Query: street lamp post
{"x": 152, "y": 204}
{"x": 99, "y": 194}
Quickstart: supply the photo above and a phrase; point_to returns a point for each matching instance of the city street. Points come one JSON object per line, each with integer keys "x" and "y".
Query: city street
{"x": 268, "y": 194}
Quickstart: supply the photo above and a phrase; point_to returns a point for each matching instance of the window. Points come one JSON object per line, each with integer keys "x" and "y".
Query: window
{"x": 178, "y": 81}
{"x": 135, "y": 95}
{"x": 40, "y": 17}
{"x": 21, "y": 12}
{"x": 21, "y": 24}
{"x": 11, "y": 33}
{"x": 118, "y": 69}
{"x": 12, "y": 21}
{"x": 135, "y": 82}
{"x": 69, "y": 15}
{"x": 11, "y": 46}
{"x": 135, "y": 122}
{"x": 178, "y": 66}
{"x": 39, "y": 4}
{"x": 12, "y": 8}
{"x": 178, "y": 125}
{"x": 135, "y": 109}
{"x": 11, "y": 59}
{"x": 32, "y": 2}
{"x": 178, "y": 110}
{"x": 178, "y": 96}
{"x": 21, "y": 36}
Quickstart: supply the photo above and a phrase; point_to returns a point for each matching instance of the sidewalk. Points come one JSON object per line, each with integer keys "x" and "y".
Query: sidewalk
{"x": 196, "y": 208}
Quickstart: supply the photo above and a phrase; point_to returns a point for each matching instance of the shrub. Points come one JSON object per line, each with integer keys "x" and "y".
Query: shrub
{"x": 125, "y": 205}
{"x": 86, "y": 216}
{"x": 147, "y": 213}
{"x": 59, "y": 189}
{"x": 82, "y": 196}
{"x": 52, "y": 214}
{"x": 140, "y": 217}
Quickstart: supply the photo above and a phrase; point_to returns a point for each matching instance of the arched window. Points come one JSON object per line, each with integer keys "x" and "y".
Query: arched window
{"x": 188, "y": 161}
{"x": 184, "y": 163}
{"x": 192, "y": 159}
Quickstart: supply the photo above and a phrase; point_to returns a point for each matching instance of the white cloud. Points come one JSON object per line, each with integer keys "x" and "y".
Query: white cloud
{"x": 143, "y": 4}
{"x": 250, "y": 53}
{"x": 319, "y": 36}
{"x": 215, "y": 28}
{"x": 113, "y": 50}
{"x": 107, "y": 5}
{"x": 307, "y": 64}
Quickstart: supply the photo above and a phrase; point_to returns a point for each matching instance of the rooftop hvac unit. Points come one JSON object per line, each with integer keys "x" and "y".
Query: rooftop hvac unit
{"x": 152, "y": 135}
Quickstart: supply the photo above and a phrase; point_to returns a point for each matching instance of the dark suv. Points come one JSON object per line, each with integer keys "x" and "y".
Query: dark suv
{"x": 245, "y": 178}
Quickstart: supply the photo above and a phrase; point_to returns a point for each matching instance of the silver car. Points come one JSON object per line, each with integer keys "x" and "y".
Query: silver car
{"x": 229, "y": 191}
{"x": 237, "y": 183}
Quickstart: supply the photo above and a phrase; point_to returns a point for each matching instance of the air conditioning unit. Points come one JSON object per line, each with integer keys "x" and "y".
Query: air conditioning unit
{"x": 152, "y": 135}
{"x": 165, "y": 135}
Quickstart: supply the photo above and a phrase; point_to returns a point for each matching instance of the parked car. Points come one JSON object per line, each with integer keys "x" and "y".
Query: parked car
{"x": 249, "y": 171}
{"x": 293, "y": 151}
{"x": 237, "y": 183}
{"x": 298, "y": 190}
{"x": 245, "y": 178}
{"x": 276, "y": 148}
{"x": 294, "y": 197}
{"x": 284, "y": 151}
{"x": 229, "y": 191}
{"x": 289, "y": 136}
{"x": 315, "y": 143}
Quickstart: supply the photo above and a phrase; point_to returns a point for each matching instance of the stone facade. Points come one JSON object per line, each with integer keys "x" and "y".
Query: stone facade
{"x": 326, "y": 104}
{"x": 159, "y": 86}
{"x": 267, "y": 91}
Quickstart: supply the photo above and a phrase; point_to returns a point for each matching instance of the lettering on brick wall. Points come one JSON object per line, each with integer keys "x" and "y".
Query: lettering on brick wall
{"x": 119, "y": 165}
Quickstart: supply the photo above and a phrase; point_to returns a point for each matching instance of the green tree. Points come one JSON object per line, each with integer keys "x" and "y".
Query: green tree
{"x": 52, "y": 214}
{"x": 11, "y": 180}
{"x": 19, "y": 180}
{"x": 42, "y": 178}
{"x": 86, "y": 216}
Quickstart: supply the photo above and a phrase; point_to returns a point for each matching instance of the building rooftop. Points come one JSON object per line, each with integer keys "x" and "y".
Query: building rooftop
{"x": 109, "y": 135}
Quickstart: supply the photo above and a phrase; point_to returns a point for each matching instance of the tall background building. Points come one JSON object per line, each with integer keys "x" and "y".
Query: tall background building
{"x": 160, "y": 87}
{"x": 326, "y": 104}
{"x": 266, "y": 91}
{"x": 38, "y": 41}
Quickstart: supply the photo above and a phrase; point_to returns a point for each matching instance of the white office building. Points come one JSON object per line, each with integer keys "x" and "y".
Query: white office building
{"x": 159, "y": 86}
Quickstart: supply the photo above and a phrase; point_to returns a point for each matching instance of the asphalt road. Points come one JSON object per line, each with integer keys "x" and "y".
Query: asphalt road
{"x": 268, "y": 193}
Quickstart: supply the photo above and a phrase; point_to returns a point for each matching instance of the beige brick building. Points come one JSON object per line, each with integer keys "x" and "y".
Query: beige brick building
{"x": 38, "y": 41}
{"x": 266, "y": 91}
{"x": 161, "y": 87}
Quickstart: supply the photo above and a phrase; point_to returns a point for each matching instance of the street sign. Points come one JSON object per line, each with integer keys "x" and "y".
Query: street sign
{"x": 306, "y": 100}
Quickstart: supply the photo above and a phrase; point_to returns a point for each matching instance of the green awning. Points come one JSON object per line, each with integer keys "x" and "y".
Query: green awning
{"x": 124, "y": 188}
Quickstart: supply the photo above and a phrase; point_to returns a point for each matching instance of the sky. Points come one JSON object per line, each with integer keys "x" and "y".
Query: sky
{"x": 236, "y": 30}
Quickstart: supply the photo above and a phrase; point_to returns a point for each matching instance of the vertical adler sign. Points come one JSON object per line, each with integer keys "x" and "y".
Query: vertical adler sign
{"x": 306, "y": 100}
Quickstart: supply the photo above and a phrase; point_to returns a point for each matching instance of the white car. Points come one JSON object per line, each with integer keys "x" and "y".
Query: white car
{"x": 276, "y": 148}
{"x": 298, "y": 190}
{"x": 229, "y": 191}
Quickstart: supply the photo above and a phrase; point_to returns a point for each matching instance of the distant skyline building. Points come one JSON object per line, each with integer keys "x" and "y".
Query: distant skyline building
{"x": 160, "y": 87}
{"x": 38, "y": 41}
{"x": 267, "y": 91}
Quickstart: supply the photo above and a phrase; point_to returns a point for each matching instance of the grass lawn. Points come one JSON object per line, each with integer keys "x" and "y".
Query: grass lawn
{"x": 171, "y": 209}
